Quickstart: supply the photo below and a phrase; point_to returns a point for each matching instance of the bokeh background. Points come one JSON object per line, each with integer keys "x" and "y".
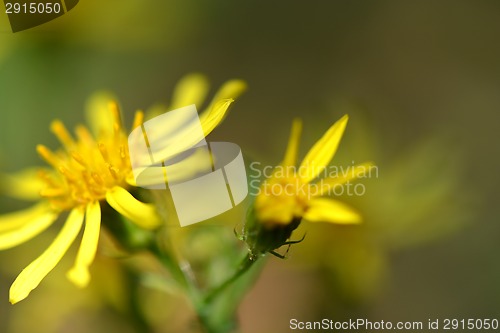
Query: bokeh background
{"x": 419, "y": 79}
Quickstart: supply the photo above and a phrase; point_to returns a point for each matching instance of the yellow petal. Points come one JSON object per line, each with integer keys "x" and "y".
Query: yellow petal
{"x": 210, "y": 120}
{"x": 293, "y": 144}
{"x": 191, "y": 89}
{"x": 24, "y": 184}
{"x": 344, "y": 176}
{"x": 323, "y": 151}
{"x": 79, "y": 274}
{"x": 23, "y": 229}
{"x": 230, "y": 90}
{"x": 34, "y": 273}
{"x": 271, "y": 210}
{"x": 99, "y": 115}
{"x": 326, "y": 210}
{"x": 142, "y": 214}
{"x": 19, "y": 218}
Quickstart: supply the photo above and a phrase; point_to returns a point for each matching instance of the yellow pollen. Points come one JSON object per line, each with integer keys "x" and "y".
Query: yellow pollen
{"x": 86, "y": 168}
{"x": 68, "y": 174}
{"x": 102, "y": 149}
{"x": 114, "y": 171}
{"x": 123, "y": 152}
{"x": 77, "y": 157}
{"x": 97, "y": 178}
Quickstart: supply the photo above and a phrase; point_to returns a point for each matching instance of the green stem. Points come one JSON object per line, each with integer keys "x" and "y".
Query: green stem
{"x": 137, "y": 316}
{"x": 215, "y": 313}
{"x": 172, "y": 265}
{"x": 244, "y": 266}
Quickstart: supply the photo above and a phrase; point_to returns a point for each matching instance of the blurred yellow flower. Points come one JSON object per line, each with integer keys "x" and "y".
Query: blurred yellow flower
{"x": 89, "y": 171}
{"x": 290, "y": 193}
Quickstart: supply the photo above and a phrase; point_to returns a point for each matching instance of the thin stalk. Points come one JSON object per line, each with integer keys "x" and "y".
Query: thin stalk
{"x": 244, "y": 266}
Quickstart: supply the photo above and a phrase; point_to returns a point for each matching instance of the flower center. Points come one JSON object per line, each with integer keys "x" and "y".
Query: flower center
{"x": 86, "y": 168}
{"x": 282, "y": 199}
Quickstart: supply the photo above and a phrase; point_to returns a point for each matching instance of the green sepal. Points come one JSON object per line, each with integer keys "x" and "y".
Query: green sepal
{"x": 262, "y": 238}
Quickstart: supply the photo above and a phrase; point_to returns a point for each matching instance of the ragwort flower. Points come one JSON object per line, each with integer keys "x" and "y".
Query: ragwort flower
{"x": 292, "y": 194}
{"x": 88, "y": 172}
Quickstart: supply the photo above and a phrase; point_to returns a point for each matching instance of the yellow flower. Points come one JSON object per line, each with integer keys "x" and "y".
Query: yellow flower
{"x": 290, "y": 192}
{"x": 90, "y": 171}
{"x": 294, "y": 193}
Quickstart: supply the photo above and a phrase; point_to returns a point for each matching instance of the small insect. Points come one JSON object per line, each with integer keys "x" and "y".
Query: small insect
{"x": 262, "y": 240}
{"x": 289, "y": 243}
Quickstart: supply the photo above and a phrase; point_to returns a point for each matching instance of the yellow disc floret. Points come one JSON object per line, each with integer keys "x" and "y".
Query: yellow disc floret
{"x": 87, "y": 168}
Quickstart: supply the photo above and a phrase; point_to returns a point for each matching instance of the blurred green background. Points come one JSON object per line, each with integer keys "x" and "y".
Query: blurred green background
{"x": 420, "y": 80}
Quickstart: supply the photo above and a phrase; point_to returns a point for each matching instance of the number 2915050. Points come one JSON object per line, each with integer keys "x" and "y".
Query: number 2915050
{"x": 33, "y": 8}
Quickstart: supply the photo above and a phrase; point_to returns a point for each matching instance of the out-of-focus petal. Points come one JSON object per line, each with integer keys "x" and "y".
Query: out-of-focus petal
{"x": 210, "y": 120}
{"x": 293, "y": 144}
{"x": 191, "y": 89}
{"x": 323, "y": 151}
{"x": 344, "y": 176}
{"x": 79, "y": 274}
{"x": 25, "y": 225}
{"x": 33, "y": 274}
{"x": 98, "y": 112}
{"x": 231, "y": 89}
{"x": 326, "y": 210}
{"x": 19, "y": 218}
{"x": 142, "y": 214}
{"x": 25, "y": 184}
